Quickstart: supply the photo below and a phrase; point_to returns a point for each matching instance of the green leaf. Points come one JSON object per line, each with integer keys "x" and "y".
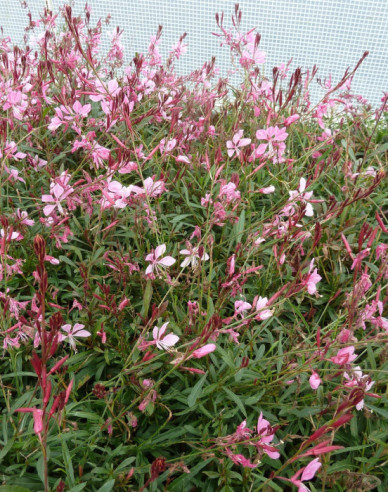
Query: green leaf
{"x": 5, "y": 449}
{"x": 79, "y": 487}
{"x": 196, "y": 391}
{"x": 12, "y": 488}
{"x": 68, "y": 463}
{"x": 147, "y": 298}
{"x": 40, "y": 468}
{"x": 179, "y": 482}
{"x": 236, "y": 400}
{"x": 107, "y": 487}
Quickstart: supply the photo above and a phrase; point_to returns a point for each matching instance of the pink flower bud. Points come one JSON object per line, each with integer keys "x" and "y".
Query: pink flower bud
{"x": 205, "y": 350}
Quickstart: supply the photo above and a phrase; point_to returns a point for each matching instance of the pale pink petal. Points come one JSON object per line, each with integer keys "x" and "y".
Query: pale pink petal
{"x": 169, "y": 340}
{"x": 167, "y": 261}
{"x": 47, "y": 198}
{"x": 163, "y": 329}
{"x": 185, "y": 262}
{"x": 244, "y": 141}
{"x": 310, "y": 470}
{"x": 160, "y": 250}
{"x": 261, "y": 135}
{"x": 205, "y": 350}
{"x": 314, "y": 380}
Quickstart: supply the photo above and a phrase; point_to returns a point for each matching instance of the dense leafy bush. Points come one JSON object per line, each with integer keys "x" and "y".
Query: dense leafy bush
{"x": 193, "y": 276}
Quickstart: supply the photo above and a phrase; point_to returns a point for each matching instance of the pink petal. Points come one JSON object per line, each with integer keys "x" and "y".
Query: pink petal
{"x": 261, "y": 135}
{"x": 314, "y": 380}
{"x": 160, "y": 250}
{"x": 205, "y": 350}
{"x": 244, "y": 141}
{"x": 162, "y": 329}
{"x": 310, "y": 470}
{"x": 47, "y": 198}
{"x": 167, "y": 261}
{"x": 170, "y": 340}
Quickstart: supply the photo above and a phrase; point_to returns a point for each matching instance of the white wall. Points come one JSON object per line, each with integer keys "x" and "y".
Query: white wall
{"x": 330, "y": 33}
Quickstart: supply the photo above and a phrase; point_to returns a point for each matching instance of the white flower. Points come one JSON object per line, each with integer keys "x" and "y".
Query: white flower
{"x": 192, "y": 257}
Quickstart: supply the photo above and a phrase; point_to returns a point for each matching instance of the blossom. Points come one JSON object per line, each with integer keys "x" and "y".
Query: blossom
{"x": 10, "y": 237}
{"x": 344, "y": 356}
{"x": 151, "y": 188}
{"x": 59, "y": 191}
{"x": 315, "y": 380}
{"x": 18, "y": 102}
{"x": 37, "y": 414}
{"x": 359, "y": 380}
{"x": 267, "y": 190}
{"x": 81, "y": 110}
{"x": 111, "y": 89}
{"x": 300, "y": 196}
{"x": 312, "y": 279}
{"x": 266, "y": 434}
{"x": 168, "y": 341}
{"x": 72, "y": 332}
{"x": 263, "y": 313}
{"x": 229, "y": 192}
{"x": 274, "y": 147}
{"x": 193, "y": 255}
{"x": 156, "y": 261}
{"x": 240, "y": 307}
{"x": 205, "y": 350}
{"x": 23, "y": 217}
{"x": 236, "y": 143}
{"x": 308, "y": 472}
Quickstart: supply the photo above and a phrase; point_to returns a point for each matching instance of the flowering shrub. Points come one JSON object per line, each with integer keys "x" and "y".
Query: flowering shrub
{"x": 193, "y": 279}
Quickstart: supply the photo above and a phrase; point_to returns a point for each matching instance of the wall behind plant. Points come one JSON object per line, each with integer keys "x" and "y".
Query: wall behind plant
{"x": 333, "y": 34}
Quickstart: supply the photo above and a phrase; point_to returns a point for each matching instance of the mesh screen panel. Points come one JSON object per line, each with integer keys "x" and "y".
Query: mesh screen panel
{"x": 333, "y": 34}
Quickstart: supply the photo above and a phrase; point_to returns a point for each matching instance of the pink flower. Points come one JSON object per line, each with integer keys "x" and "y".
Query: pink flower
{"x": 10, "y": 237}
{"x": 275, "y": 146}
{"x": 314, "y": 380}
{"x": 272, "y": 134}
{"x": 81, "y": 110}
{"x": 72, "y": 332}
{"x": 229, "y": 192}
{"x": 37, "y": 414}
{"x": 23, "y": 217}
{"x": 59, "y": 191}
{"x": 267, "y": 190}
{"x": 111, "y": 89}
{"x": 240, "y": 307}
{"x": 344, "y": 356}
{"x": 312, "y": 279}
{"x": 236, "y": 143}
{"x": 155, "y": 259}
{"x": 168, "y": 341}
{"x": 263, "y": 313}
{"x": 266, "y": 435}
{"x": 205, "y": 350}
{"x": 151, "y": 188}
{"x": 308, "y": 472}
{"x": 300, "y": 196}
{"x": 193, "y": 256}
{"x": 18, "y": 102}
{"x": 239, "y": 459}
{"x": 359, "y": 380}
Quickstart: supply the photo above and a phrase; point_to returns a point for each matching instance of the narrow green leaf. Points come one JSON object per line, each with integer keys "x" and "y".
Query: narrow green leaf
{"x": 196, "y": 391}
{"x": 236, "y": 399}
{"x": 107, "y": 487}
